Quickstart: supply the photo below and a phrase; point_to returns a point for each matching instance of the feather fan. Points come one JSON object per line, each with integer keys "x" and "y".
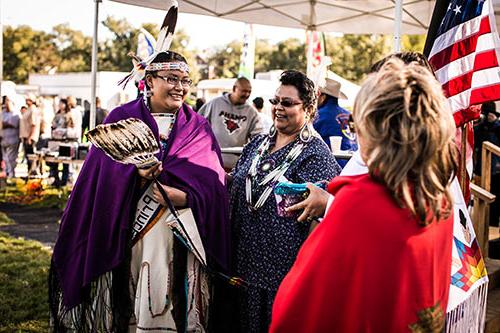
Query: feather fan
{"x": 128, "y": 141}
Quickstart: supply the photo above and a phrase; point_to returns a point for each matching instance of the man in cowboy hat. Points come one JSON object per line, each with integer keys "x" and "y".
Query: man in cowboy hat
{"x": 332, "y": 120}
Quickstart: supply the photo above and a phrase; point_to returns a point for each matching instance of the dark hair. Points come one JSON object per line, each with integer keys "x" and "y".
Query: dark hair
{"x": 258, "y": 102}
{"x": 489, "y": 107}
{"x": 242, "y": 79}
{"x": 305, "y": 87}
{"x": 199, "y": 103}
{"x": 66, "y": 105}
{"x": 5, "y": 100}
{"x": 407, "y": 58}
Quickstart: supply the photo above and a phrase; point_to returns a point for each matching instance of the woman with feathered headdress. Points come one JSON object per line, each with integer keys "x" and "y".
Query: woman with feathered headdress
{"x": 120, "y": 263}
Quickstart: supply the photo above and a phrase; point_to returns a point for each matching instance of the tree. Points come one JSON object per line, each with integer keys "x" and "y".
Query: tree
{"x": 263, "y": 55}
{"x": 353, "y": 55}
{"x": 113, "y": 53}
{"x": 27, "y": 51}
{"x": 289, "y": 54}
{"x": 413, "y": 43}
{"x": 74, "y": 48}
{"x": 226, "y": 60}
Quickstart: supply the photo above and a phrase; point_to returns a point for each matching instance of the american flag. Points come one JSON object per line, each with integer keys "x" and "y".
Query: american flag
{"x": 463, "y": 47}
{"x": 464, "y": 54}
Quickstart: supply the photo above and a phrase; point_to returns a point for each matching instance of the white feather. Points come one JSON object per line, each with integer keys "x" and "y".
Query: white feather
{"x": 167, "y": 30}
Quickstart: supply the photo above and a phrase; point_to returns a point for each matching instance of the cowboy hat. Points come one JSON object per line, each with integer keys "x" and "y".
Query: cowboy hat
{"x": 332, "y": 88}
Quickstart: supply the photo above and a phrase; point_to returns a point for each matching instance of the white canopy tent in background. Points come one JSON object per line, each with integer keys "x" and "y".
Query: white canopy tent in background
{"x": 347, "y": 16}
{"x": 352, "y": 16}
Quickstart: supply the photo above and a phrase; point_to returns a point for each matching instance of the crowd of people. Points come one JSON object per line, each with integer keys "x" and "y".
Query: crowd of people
{"x": 27, "y": 128}
{"x": 364, "y": 253}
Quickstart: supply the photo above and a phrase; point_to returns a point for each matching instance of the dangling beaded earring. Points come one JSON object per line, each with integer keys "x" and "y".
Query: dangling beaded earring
{"x": 146, "y": 94}
{"x": 305, "y": 133}
{"x": 272, "y": 131}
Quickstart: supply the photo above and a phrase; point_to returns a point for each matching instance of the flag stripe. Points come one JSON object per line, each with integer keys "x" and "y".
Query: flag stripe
{"x": 455, "y": 34}
{"x": 481, "y": 80}
{"x": 482, "y": 61}
{"x": 460, "y": 48}
{"x": 486, "y": 77}
{"x": 465, "y": 64}
{"x": 485, "y": 94}
{"x": 459, "y": 101}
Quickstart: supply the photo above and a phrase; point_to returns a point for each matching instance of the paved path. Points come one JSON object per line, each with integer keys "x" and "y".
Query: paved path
{"x": 39, "y": 224}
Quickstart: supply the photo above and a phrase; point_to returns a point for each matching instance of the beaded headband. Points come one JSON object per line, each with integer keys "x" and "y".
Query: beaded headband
{"x": 162, "y": 66}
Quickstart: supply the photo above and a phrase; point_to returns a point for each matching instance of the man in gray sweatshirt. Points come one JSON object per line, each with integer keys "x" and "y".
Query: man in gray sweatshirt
{"x": 233, "y": 120}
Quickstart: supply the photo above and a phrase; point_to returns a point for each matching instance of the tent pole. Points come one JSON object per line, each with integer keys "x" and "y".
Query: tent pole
{"x": 94, "y": 67}
{"x": 398, "y": 12}
{"x": 309, "y": 37}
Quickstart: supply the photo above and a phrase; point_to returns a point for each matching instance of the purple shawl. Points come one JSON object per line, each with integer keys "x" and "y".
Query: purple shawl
{"x": 95, "y": 225}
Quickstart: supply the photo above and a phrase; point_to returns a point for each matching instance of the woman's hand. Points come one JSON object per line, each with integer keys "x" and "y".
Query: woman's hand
{"x": 314, "y": 205}
{"x": 178, "y": 197}
{"x": 151, "y": 172}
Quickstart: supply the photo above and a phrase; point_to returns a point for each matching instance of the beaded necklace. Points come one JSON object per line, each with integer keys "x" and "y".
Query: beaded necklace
{"x": 272, "y": 177}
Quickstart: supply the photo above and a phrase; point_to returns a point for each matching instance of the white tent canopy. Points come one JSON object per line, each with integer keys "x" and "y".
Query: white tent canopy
{"x": 347, "y": 16}
{"x": 353, "y": 16}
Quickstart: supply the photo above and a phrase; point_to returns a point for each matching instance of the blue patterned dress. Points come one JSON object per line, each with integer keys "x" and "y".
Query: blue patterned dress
{"x": 265, "y": 244}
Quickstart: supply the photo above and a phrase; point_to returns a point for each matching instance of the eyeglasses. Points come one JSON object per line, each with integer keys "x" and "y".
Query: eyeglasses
{"x": 286, "y": 103}
{"x": 174, "y": 80}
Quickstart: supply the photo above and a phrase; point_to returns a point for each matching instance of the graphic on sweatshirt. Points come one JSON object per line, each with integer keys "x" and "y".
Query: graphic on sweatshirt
{"x": 232, "y": 121}
{"x": 343, "y": 120}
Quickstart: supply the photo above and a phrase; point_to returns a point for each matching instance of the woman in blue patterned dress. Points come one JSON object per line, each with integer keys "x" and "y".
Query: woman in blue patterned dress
{"x": 265, "y": 242}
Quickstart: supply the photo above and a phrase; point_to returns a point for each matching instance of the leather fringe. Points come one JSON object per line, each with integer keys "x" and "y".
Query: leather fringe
{"x": 470, "y": 315}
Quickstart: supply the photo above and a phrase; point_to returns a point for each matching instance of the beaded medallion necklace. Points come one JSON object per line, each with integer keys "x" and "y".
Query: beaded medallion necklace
{"x": 272, "y": 177}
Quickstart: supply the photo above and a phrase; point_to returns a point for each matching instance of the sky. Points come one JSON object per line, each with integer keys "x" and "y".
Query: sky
{"x": 204, "y": 31}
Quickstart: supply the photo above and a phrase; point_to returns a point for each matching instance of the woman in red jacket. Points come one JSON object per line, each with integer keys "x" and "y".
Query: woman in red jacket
{"x": 380, "y": 260}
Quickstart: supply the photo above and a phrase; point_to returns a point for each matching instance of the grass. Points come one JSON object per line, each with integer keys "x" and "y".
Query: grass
{"x": 5, "y": 220}
{"x": 24, "y": 266}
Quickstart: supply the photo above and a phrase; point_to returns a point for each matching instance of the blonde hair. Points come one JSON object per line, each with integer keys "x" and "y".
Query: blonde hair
{"x": 408, "y": 130}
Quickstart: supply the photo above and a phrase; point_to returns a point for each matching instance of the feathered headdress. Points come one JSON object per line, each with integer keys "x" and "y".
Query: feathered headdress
{"x": 163, "y": 43}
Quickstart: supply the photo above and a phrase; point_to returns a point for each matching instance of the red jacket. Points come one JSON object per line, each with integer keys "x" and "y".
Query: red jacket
{"x": 368, "y": 267}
